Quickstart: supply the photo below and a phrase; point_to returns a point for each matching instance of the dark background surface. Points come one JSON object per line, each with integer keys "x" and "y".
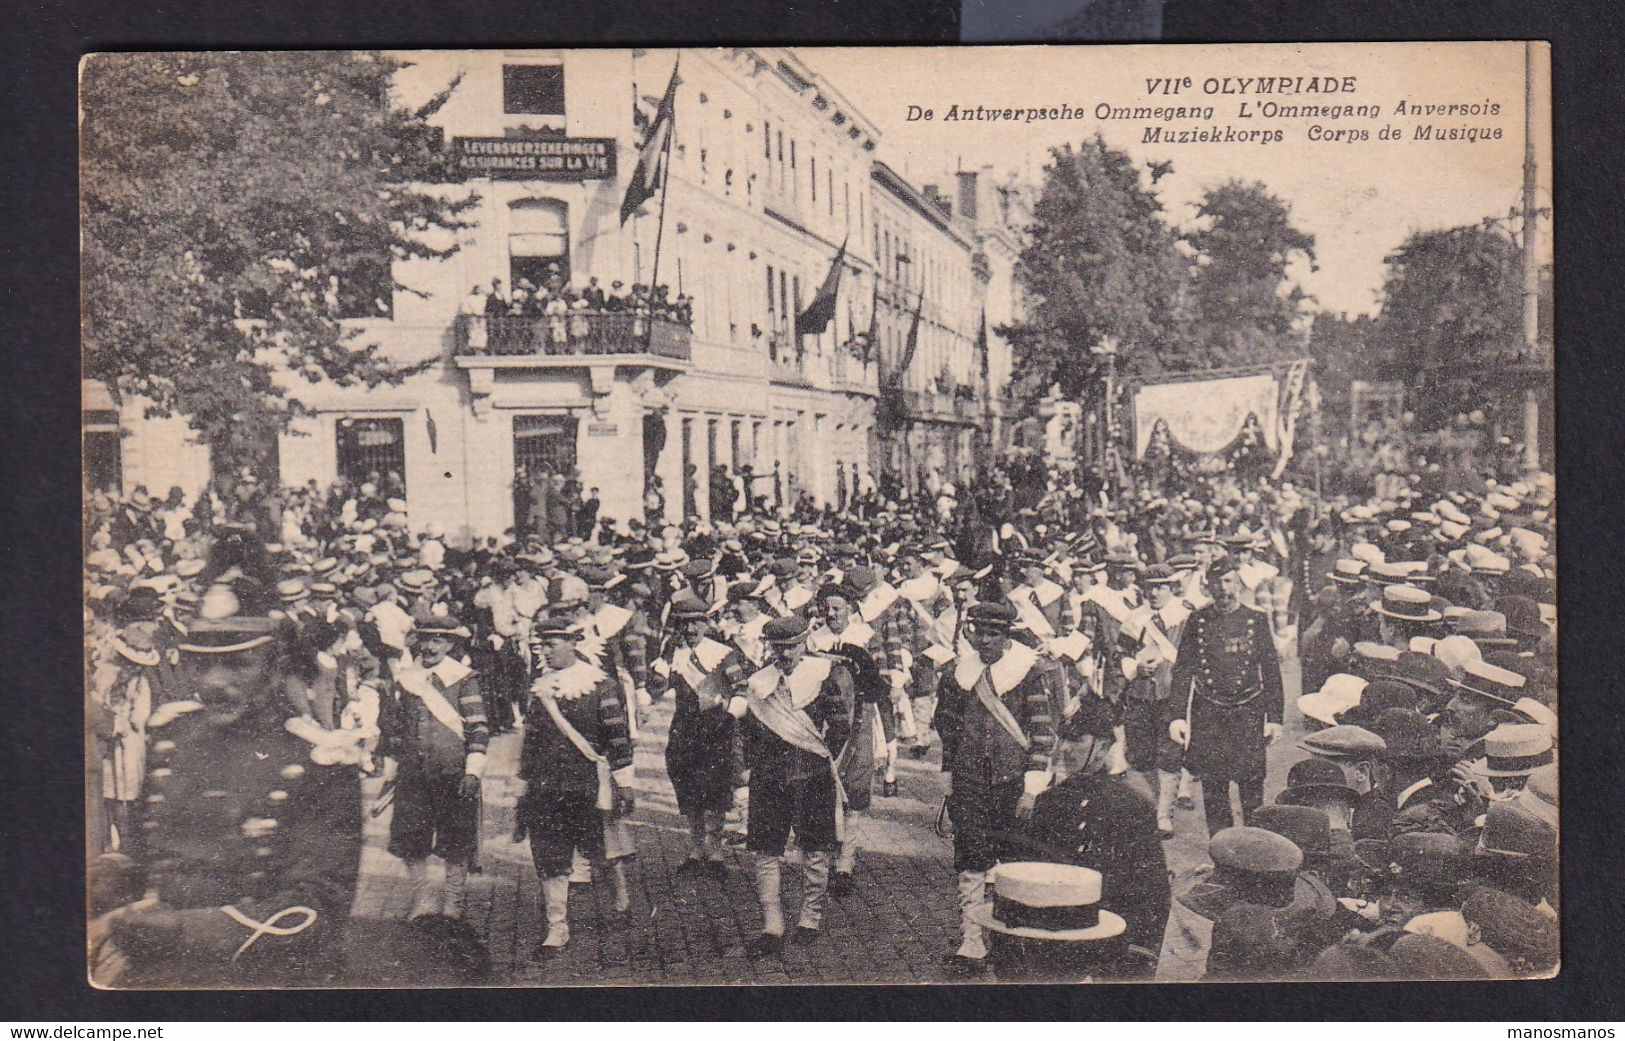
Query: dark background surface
{"x": 41, "y": 886}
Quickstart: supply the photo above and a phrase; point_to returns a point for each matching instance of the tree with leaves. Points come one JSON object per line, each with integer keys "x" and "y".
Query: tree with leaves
{"x": 1101, "y": 262}
{"x": 1246, "y": 308}
{"x": 237, "y": 208}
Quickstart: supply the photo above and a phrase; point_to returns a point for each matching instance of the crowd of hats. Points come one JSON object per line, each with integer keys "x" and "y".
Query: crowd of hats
{"x": 1439, "y": 713}
{"x": 1450, "y": 599}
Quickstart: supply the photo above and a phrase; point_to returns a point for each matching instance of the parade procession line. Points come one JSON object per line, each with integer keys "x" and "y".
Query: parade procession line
{"x": 685, "y": 930}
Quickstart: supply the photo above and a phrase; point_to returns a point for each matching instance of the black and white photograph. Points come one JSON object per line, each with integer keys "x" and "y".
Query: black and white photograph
{"x": 770, "y": 515}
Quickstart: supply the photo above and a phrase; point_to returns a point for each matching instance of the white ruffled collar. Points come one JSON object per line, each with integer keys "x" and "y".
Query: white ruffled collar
{"x": 805, "y": 681}
{"x": 570, "y": 683}
{"x": 1006, "y": 673}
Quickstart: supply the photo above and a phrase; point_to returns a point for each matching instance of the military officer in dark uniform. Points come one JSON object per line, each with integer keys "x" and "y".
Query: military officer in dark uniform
{"x": 997, "y": 713}
{"x": 248, "y": 840}
{"x": 1226, "y": 699}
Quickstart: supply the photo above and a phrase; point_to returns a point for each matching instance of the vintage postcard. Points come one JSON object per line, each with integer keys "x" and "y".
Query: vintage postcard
{"x": 804, "y": 516}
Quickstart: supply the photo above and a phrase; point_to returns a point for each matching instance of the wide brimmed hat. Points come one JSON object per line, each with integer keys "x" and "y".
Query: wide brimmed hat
{"x": 1377, "y": 697}
{"x": 1043, "y": 901}
{"x": 1339, "y": 693}
{"x": 1406, "y": 603}
{"x": 1491, "y": 682}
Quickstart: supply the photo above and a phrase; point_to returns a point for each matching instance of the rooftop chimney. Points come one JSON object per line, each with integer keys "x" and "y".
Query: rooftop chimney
{"x": 967, "y": 194}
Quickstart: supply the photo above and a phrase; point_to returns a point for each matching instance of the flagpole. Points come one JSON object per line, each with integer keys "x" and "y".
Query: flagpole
{"x": 665, "y": 185}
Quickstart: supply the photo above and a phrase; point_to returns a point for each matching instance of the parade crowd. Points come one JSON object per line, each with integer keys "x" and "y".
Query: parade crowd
{"x": 1088, "y": 664}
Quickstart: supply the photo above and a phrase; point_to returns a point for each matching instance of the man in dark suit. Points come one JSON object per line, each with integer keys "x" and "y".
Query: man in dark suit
{"x": 1092, "y": 819}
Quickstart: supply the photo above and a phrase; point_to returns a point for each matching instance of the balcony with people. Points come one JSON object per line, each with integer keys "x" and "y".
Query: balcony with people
{"x": 563, "y": 322}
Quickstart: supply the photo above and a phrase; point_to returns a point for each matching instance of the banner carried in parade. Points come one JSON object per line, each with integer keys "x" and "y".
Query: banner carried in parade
{"x": 1206, "y": 416}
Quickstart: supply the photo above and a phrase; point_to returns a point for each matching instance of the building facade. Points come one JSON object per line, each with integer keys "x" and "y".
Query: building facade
{"x": 770, "y": 172}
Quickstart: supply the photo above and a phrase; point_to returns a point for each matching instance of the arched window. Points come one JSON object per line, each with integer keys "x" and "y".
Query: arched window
{"x": 538, "y": 241}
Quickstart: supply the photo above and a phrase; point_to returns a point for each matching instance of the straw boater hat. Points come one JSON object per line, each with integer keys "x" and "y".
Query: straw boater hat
{"x": 1041, "y": 901}
{"x": 1348, "y": 571}
{"x": 1515, "y": 750}
{"x": 1491, "y": 682}
{"x": 1406, "y": 603}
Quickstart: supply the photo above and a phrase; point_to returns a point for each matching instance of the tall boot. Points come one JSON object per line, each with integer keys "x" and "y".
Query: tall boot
{"x": 454, "y": 897}
{"x": 695, "y": 861}
{"x": 424, "y": 900}
{"x": 846, "y": 862}
{"x": 972, "y": 937}
{"x": 623, "y": 892}
{"x": 556, "y": 907}
{"x": 712, "y": 846}
{"x": 1167, "y": 790}
{"x": 814, "y": 893}
{"x": 768, "y": 869}
{"x": 1118, "y": 763}
{"x": 580, "y": 868}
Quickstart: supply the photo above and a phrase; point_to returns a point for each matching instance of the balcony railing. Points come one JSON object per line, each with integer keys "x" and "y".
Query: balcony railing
{"x": 577, "y": 334}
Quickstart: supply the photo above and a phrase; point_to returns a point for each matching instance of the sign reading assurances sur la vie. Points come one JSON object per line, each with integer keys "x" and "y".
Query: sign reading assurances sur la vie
{"x": 544, "y": 159}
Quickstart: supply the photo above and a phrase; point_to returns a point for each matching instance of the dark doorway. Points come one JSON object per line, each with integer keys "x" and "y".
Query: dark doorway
{"x": 542, "y": 446}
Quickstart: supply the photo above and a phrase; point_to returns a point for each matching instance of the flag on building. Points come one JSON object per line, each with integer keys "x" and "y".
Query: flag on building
{"x": 981, "y": 346}
{"x": 871, "y": 339}
{"x": 913, "y": 343}
{"x": 816, "y": 318}
{"x": 650, "y": 171}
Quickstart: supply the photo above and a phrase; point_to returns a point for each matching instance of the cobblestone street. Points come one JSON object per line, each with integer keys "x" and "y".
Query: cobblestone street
{"x": 687, "y": 930}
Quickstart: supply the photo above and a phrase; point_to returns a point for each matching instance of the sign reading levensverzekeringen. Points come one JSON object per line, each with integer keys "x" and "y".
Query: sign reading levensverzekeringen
{"x": 558, "y": 159}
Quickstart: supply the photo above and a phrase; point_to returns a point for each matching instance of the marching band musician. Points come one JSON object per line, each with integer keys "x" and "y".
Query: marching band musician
{"x": 800, "y": 710}
{"x": 997, "y": 714}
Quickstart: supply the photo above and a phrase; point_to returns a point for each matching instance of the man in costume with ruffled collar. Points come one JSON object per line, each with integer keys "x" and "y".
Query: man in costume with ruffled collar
{"x": 997, "y": 713}
{"x": 248, "y": 840}
{"x": 575, "y": 767}
{"x": 843, "y": 632}
{"x": 799, "y": 715}
{"x": 433, "y": 737}
{"x": 705, "y": 676}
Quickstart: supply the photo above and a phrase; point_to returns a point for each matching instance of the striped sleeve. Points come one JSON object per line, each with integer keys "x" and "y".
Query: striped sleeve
{"x": 892, "y": 637}
{"x": 471, "y": 705}
{"x": 612, "y": 726}
{"x": 1043, "y": 714}
{"x": 635, "y": 653}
